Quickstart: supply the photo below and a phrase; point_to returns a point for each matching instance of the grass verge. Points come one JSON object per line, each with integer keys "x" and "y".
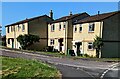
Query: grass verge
{"x": 56, "y": 54}
{"x": 18, "y": 68}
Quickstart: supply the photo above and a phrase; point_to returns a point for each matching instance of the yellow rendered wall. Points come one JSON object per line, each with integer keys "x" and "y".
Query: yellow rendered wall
{"x": 85, "y": 36}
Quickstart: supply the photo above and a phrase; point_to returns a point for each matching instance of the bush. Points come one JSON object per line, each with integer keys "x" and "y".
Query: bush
{"x": 55, "y": 50}
{"x": 27, "y": 40}
{"x": 86, "y": 55}
{"x": 49, "y": 49}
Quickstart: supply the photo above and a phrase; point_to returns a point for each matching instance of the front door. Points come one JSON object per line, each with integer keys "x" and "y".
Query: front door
{"x": 78, "y": 48}
{"x": 60, "y": 44}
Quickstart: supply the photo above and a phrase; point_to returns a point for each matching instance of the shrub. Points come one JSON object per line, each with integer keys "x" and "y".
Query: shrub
{"x": 49, "y": 49}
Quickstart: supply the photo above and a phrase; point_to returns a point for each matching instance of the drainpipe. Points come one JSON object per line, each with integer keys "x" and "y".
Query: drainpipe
{"x": 100, "y": 29}
{"x": 15, "y": 36}
{"x": 83, "y": 46}
{"x": 100, "y": 35}
{"x": 65, "y": 38}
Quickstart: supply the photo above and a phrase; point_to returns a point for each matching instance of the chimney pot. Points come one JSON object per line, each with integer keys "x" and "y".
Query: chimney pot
{"x": 98, "y": 12}
{"x": 51, "y": 14}
{"x": 70, "y": 13}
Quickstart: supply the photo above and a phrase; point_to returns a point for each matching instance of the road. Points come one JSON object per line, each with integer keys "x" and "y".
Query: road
{"x": 113, "y": 73}
{"x": 71, "y": 69}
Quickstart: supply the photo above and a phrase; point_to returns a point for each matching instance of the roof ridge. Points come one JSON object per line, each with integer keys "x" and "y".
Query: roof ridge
{"x": 107, "y": 13}
{"x": 97, "y": 17}
{"x": 26, "y": 20}
{"x": 64, "y": 18}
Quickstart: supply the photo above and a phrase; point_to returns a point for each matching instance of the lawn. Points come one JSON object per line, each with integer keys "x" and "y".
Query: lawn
{"x": 18, "y": 68}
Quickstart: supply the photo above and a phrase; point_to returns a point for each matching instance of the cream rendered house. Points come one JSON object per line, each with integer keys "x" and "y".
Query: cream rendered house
{"x": 35, "y": 26}
{"x": 60, "y": 31}
{"x": 104, "y": 25}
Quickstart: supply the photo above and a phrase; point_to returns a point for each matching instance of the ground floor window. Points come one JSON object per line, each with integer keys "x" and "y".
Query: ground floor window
{"x": 51, "y": 41}
{"x": 90, "y": 45}
{"x": 8, "y": 41}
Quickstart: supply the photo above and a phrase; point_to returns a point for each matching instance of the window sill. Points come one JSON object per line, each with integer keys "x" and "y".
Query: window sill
{"x": 91, "y": 32}
{"x": 52, "y": 31}
{"x": 80, "y": 31}
{"x": 51, "y": 45}
{"x": 90, "y": 49}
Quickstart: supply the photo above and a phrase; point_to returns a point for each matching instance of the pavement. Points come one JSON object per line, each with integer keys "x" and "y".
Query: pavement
{"x": 72, "y": 69}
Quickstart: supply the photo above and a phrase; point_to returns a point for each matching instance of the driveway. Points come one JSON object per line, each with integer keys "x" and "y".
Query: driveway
{"x": 69, "y": 68}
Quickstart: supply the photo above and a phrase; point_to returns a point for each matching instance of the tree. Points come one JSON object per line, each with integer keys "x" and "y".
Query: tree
{"x": 27, "y": 40}
{"x": 97, "y": 44}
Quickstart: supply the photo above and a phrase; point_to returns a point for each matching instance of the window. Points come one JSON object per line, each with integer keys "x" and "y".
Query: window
{"x": 23, "y": 27}
{"x": 90, "y": 46}
{"x": 8, "y": 30}
{"x": 11, "y": 28}
{"x": 64, "y": 25}
{"x": 8, "y": 41}
{"x": 52, "y": 42}
{"x": 52, "y": 27}
{"x": 59, "y": 26}
{"x": 91, "y": 27}
{"x": 80, "y": 28}
{"x": 75, "y": 28}
{"x": 18, "y": 27}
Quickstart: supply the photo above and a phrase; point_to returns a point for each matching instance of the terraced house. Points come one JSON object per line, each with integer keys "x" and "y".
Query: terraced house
{"x": 35, "y": 26}
{"x": 104, "y": 25}
{"x": 60, "y": 31}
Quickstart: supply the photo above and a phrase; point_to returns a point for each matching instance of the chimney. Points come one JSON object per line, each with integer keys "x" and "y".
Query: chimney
{"x": 51, "y": 14}
{"x": 98, "y": 12}
{"x": 70, "y": 13}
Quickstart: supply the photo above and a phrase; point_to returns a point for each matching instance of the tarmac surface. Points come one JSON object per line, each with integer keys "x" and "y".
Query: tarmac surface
{"x": 73, "y": 69}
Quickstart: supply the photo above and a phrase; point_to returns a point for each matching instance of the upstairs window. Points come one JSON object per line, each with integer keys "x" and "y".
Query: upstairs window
{"x": 90, "y": 46}
{"x": 64, "y": 25}
{"x": 18, "y": 27}
{"x": 11, "y": 28}
{"x": 52, "y": 42}
{"x": 91, "y": 27}
{"x": 8, "y": 30}
{"x": 59, "y": 26}
{"x": 52, "y": 27}
{"x": 80, "y": 28}
{"x": 23, "y": 27}
{"x": 75, "y": 28}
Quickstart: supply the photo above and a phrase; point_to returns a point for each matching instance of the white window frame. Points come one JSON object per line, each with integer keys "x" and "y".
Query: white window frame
{"x": 91, "y": 27}
{"x": 11, "y": 28}
{"x": 60, "y": 27}
{"x": 52, "y": 27}
{"x": 90, "y": 44}
{"x": 8, "y": 29}
{"x": 23, "y": 27}
{"x": 8, "y": 40}
{"x": 80, "y": 27}
{"x": 51, "y": 41}
{"x": 19, "y": 27}
{"x": 75, "y": 28}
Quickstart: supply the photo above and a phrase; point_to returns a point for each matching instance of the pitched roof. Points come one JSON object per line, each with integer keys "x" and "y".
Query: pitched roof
{"x": 27, "y": 20}
{"x": 98, "y": 17}
{"x": 65, "y": 18}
